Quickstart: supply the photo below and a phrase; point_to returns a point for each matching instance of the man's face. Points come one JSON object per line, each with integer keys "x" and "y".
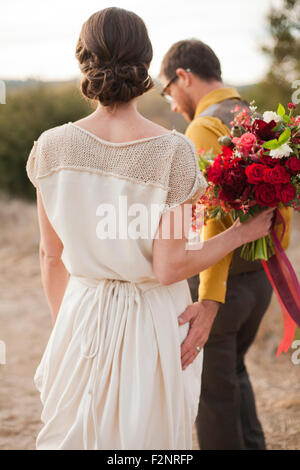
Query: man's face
{"x": 179, "y": 98}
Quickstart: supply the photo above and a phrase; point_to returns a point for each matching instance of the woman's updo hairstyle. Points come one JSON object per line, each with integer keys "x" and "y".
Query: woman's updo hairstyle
{"x": 114, "y": 53}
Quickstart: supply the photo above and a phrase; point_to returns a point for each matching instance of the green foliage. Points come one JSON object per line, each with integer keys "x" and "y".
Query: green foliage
{"x": 276, "y": 143}
{"x": 26, "y": 114}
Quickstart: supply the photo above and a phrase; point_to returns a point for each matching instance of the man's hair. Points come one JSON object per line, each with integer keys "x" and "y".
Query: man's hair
{"x": 192, "y": 54}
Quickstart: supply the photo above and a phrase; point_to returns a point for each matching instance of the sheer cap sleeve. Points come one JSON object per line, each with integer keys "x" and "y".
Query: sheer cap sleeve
{"x": 186, "y": 181}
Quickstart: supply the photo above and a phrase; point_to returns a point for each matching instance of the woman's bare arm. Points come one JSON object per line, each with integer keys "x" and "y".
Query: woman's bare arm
{"x": 173, "y": 262}
{"x": 53, "y": 272}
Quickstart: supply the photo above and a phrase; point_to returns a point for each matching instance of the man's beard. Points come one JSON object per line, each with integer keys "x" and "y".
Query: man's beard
{"x": 189, "y": 109}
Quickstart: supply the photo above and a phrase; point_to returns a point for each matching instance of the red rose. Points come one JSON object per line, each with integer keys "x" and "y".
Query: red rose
{"x": 266, "y": 195}
{"x": 255, "y": 173}
{"x": 287, "y": 192}
{"x": 293, "y": 164}
{"x": 292, "y": 106}
{"x": 276, "y": 175}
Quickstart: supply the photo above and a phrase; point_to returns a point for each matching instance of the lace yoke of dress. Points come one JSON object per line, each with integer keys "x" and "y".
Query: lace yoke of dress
{"x": 167, "y": 161}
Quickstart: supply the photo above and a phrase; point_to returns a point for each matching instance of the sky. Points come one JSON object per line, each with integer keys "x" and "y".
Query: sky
{"x": 38, "y": 38}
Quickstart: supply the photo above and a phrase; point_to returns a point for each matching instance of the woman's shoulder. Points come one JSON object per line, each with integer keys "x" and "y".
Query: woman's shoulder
{"x": 53, "y": 133}
{"x": 185, "y": 152}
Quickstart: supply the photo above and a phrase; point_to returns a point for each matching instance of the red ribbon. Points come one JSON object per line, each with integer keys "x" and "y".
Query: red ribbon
{"x": 286, "y": 287}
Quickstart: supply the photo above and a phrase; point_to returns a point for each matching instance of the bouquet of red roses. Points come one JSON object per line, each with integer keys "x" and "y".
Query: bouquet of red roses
{"x": 258, "y": 167}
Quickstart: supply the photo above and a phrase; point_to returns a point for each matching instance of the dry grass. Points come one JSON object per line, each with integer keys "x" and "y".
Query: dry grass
{"x": 25, "y": 326}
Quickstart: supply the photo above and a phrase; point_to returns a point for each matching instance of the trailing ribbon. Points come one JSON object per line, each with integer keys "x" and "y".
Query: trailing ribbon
{"x": 286, "y": 287}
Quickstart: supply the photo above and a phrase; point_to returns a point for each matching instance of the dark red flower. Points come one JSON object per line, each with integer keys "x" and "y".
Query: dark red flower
{"x": 276, "y": 175}
{"x": 293, "y": 164}
{"x": 266, "y": 194}
{"x": 218, "y": 159}
{"x": 292, "y": 106}
{"x": 227, "y": 195}
{"x": 214, "y": 172}
{"x": 246, "y": 193}
{"x": 233, "y": 182}
{"x": 227, "y": 151}
{"x": 263, "y": 130}
{"x": 267, "y": 160}
{"x": 286, "y": 192}
{"x": 255, "y": 173}
{"x": 236, "y": 205}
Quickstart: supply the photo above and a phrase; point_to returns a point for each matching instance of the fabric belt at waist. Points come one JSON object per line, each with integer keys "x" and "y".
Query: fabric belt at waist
{"x": 94, "y": 282}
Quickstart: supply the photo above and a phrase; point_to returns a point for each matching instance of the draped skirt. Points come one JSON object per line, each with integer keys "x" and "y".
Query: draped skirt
{"x": 110, "y": 376}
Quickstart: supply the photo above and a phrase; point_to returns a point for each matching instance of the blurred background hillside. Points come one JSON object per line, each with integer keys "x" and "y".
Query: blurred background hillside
{"x": 34, "y": 105}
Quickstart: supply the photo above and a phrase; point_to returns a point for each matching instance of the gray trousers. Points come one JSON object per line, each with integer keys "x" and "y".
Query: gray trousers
{"x": 227, "y": 417}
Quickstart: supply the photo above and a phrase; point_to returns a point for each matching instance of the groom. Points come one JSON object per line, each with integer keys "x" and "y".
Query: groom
{"x": 234, "y": 294}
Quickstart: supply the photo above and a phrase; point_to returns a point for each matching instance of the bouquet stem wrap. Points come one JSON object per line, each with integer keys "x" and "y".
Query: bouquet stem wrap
{"x": 286, "y": 286}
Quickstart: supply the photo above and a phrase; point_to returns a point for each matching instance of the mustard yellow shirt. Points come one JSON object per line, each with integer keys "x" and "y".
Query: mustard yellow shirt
{"x": 204, "y": 131}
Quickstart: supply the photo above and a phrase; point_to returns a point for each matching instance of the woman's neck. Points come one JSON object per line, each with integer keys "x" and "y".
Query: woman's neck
{"x": 117, "y": 111}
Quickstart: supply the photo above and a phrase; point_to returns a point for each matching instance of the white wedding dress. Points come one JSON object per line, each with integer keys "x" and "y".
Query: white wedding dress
{"x": 110, "y": 376}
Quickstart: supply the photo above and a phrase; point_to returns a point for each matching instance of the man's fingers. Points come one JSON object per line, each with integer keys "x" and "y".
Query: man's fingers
{"x": 189, "y": 359}
{"x": 191, "y": 339}
{"x": 189, "y": 348}
{"x": 187, "y": 315}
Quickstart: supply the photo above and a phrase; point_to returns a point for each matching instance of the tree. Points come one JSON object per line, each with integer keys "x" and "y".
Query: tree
{"x": 284, "y": 51}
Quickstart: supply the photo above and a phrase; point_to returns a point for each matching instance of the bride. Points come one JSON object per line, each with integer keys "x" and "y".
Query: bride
{"x": 112, "y": 375}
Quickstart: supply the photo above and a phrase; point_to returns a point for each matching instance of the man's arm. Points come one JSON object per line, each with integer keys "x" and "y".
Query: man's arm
{"x": 204, "y": 132}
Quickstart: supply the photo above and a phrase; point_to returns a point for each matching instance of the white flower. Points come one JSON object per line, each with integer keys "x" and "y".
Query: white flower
{"x": 282, "y": 151}
{"x": 269, "y": 116}
{"x": 237, "y": 153}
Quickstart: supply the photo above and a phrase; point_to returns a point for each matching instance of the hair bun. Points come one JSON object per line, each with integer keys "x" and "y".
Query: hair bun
{"x": 113, "y": 74}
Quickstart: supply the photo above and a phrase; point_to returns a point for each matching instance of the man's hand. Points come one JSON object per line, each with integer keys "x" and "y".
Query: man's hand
{"x": 200, "y": 315}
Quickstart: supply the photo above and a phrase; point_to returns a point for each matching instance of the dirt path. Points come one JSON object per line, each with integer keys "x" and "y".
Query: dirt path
{"x": 25, "y": 327}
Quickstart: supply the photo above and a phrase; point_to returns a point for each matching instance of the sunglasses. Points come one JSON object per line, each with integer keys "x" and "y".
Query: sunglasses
{"x": 164, "y": 92}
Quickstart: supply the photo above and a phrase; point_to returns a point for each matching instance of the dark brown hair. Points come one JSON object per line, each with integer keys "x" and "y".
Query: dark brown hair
{"x": 114, "y": 53}
{"x": 192, "y": 54}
